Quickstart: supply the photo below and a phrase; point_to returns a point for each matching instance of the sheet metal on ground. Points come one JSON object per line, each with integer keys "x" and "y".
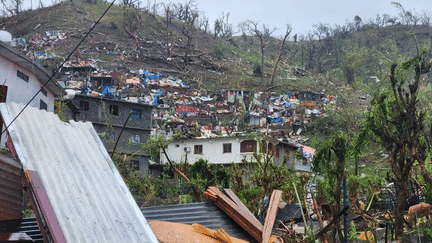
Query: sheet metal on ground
{"x": 28, "y": 226}
{"x": 90, "y": 199}
{"x": 205, "y": 213}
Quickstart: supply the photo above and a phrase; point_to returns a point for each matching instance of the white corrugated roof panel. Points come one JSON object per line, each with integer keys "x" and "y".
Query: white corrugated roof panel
{"x": 90, "y": 199}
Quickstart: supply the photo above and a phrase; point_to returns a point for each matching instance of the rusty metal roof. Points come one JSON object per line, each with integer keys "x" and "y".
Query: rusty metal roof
{"x": 10, "y": 188}
{"x": 90, "y": 199}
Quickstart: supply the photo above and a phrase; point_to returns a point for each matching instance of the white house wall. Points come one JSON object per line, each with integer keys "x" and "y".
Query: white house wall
{"x": 20, "y": 91}
{"x": 289, "y": 164}
{"x": 212, "y": 151}
{"x": 304, "y": 167}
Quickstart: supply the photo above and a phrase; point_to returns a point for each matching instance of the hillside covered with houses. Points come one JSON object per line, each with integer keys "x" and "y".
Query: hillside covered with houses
{"x": 147, "y": 121}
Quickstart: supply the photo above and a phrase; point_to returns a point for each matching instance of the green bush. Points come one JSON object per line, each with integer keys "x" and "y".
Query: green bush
{"x": 219, "y": 51}
{"x": 256, "y": 70}
{"x": 250, "y": 196}
{"x": 202, "y": 174}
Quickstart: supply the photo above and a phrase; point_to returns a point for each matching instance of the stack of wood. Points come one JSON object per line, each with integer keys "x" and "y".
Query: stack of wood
{"x": 232, "y": 205}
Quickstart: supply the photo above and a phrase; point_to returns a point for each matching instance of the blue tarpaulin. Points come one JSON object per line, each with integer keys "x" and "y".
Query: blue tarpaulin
{"x": 289, "y": 105}
{"x": 277, "y": 120}
{"x": 155, "y": 99}
{"x": 151, "y": 77}
{"x": 106, "y": 91}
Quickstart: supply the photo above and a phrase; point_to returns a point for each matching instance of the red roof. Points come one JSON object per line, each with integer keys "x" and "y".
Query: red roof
{"x": 187, "y": 109}
{"x": 308, "y": 150}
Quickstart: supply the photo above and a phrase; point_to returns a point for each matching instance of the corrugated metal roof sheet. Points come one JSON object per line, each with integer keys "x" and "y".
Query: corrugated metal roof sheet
{"x": 90, "y": 199}
{"x": 205, "y": 213}
{"x": 28, "y": 226}
{"x": 289, "y": 212}
{"x": 10, "y": 188}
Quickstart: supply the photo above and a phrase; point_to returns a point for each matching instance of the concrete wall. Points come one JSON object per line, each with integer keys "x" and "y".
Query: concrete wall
{"x": 20, "y": 91}
{"x": 126, "y": 143}
{"x": 96, "y": 113}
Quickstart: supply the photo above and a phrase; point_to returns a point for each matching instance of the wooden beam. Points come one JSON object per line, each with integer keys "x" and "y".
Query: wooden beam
{"x": 273, "y": 207}
{"x": 240, "y": 204}
{"x": 245, "y": 220}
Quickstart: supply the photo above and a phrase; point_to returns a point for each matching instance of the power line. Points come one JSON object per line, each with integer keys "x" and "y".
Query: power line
{"x": 57, "y": 70}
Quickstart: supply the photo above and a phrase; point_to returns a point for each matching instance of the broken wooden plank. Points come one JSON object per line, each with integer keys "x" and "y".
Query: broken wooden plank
{"x": 239, "y": 203}
{"x": 273, "y": 207}
{"x": 245, "y": 220}
{"x": 210, "y": 196}
{"x": 250, "y": 218}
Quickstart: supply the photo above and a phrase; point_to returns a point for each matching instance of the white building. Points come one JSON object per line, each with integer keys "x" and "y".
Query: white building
{"x": 227, "y": 150}
{"x": 24, "y": 77}
{"x": 217, "y": 150}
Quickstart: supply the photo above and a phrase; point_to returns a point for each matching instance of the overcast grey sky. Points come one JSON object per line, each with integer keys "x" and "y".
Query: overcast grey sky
{"x": 300, "y": 14}
{"x": 303, "y": 14}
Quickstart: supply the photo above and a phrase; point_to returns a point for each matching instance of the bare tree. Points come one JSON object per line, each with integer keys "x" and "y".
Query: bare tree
{"x": 222, "y": 27}
{"x": 267, "y": 31}
{"x": 407, "y": 16}
{"x": 203, "y": 22}
{"x": 357, "y": 22}
{"x": 17, "y": 4}
{"x": 310, "y": 51}
{"x": 253, "y": 29}
{"x": 426, "y": 18}
{"x": 264, "y": 35}
{"x": 415, "y": 18}
{"x": 189, "y": 31}
{"x": 379, "y": 21}
{"x": 321, "y": 31}
{"x": 168, "y": 17}
{"x": 132, "y": 23}
{"x": 281, "y": 53}
{"x": 385, "y": 19}
{"x": 185, "y": 11}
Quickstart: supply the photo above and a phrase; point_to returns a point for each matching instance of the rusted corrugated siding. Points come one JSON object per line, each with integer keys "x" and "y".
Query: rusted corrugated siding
{"x": 10, "y": 188}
